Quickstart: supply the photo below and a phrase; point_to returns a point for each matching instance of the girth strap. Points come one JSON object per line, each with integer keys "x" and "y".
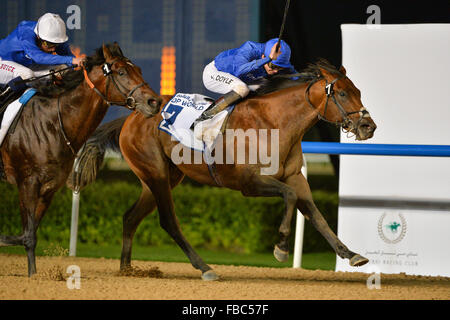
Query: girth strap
{"x": 212, "y": 164}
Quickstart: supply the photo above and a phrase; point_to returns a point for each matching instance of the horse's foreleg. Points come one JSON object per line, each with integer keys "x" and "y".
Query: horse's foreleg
{"x": 131, "y": 220}
{"x": 266, "y": 186}
{"x": 307, "y": 207}
{"x": 169, "y": 222}
{"x": 145, "y": 205}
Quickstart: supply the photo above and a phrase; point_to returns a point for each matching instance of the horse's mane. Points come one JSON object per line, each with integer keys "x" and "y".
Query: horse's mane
{"x": 71, "y": 79}
{"x": 311, "y": 73}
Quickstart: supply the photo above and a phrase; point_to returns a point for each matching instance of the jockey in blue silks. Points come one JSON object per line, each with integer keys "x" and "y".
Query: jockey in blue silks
{"x": 233, "y": 71}
{"x": 33, "y": 49}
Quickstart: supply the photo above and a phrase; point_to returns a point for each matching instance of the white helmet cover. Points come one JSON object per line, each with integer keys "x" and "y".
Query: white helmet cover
{"x": 50, "y": 27}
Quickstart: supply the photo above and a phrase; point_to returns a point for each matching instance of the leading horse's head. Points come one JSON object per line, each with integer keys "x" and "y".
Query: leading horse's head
{"x": 129, "y": 88}
{"x": 340, "y": 101}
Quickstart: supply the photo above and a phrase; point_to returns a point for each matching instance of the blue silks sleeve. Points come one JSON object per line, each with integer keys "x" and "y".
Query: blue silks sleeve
{"x": 40, "y": 57}
{"x": 250, "y": 66}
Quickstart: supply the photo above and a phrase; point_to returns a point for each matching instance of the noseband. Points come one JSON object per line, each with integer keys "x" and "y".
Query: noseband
{"x": 346, "y": 121}
{"x": 129, "y": 101}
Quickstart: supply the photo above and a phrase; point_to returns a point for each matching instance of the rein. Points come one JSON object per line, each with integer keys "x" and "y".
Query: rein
{"x": 61, "y": 125}
{"x": 51, "y": 73}
{"x": 346, "y": 122}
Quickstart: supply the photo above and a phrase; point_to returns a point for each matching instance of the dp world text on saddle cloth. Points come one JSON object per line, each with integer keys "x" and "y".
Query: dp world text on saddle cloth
{"x": 253, "y": 146}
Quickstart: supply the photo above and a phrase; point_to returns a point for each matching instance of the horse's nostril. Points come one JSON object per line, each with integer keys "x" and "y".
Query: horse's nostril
{"x": 367, "y": 129}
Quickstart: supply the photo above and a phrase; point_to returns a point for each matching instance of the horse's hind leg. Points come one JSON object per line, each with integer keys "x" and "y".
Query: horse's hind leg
{"x": 131, "y": 220}
{"x": 7, "y": 241}
{"x": 307, "y": 207}
{"x": 266, "y": 186}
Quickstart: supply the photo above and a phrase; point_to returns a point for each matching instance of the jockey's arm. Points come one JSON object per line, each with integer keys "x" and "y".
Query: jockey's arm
{"x": 40, "y": 57}
{"x": 250, "y": 66}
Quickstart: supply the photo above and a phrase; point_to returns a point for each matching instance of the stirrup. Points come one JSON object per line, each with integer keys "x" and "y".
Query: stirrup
{"x": 5, "y": 91}
{"x": 218, "y": 106}
{"x": 202, "y": 117}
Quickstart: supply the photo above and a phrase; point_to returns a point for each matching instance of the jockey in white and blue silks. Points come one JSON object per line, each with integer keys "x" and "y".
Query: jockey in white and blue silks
{"x": 33, "y": 49}
{"x": 233, "y": 71}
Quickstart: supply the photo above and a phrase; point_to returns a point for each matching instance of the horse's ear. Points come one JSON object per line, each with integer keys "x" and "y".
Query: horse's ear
{"x": 342, "y": 70}
{"x": 117, "y": 48}
{"x": 107, "y": 53}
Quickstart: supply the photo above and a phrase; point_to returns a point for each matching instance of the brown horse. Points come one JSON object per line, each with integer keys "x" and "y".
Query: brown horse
{"x": 56, "y": 123}
{"x": 292, "y": 107}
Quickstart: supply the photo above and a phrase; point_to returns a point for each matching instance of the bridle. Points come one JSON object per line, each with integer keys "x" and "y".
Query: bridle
{"x": 346, "y": 123}
{"x": 129, "y": 101}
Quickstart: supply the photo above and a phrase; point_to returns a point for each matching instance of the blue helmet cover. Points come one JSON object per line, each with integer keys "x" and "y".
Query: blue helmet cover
{"x": 284, "y": 58}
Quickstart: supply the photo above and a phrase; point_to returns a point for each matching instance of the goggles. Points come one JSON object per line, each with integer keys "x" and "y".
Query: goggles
{"x": 274, "y": 66}
{"x": 49, "y": 44}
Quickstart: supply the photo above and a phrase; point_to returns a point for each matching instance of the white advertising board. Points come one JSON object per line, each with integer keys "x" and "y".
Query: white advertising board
{"x": 396, "y": 210}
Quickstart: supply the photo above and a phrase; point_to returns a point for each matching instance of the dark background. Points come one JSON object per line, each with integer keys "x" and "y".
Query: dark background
{"x": 313, "y": 27}
{"x": 313, "y": 31}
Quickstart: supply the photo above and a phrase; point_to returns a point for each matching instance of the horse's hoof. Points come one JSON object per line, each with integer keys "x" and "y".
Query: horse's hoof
{"x": 125, "y": 267}
{"x": 280, "y": 255}
{"x": 358, "y": 261}
{"x": 210, "y": 275}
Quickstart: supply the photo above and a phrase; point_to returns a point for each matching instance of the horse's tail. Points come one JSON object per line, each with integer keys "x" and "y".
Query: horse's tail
{"x": 85, "y": 169}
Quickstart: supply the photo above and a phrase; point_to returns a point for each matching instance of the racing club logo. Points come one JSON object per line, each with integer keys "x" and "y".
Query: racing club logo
{"x": 392, "y": 227}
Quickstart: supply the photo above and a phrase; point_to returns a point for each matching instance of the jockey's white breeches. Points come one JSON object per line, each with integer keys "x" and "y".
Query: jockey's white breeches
{"x": 10, "y": 70}
{"x": 223, "y": 82}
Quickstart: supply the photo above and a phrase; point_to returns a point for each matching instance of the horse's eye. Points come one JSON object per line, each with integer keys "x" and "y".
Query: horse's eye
{"x": 342, "y": 93}
{"x": 121, "y": 72}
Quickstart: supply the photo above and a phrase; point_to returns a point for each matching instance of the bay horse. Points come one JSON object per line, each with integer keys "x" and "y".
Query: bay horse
{"x": 55, "y": 124}
{"x": 321, "y": 92}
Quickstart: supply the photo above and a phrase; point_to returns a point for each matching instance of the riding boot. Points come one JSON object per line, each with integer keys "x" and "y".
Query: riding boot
{"x": 219, "y": 106}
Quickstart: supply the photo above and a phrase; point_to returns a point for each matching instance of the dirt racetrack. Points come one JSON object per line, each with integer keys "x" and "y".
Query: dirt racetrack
{"x": 100, "y": 279}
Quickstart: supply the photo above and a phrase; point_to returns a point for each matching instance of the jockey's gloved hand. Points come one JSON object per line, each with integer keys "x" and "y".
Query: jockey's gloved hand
{"x": 77, "y": 62}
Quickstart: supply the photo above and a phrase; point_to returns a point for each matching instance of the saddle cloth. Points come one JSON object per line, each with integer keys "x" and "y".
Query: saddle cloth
{"x": 179, "y": 114}
{"x": 13, "y": 110}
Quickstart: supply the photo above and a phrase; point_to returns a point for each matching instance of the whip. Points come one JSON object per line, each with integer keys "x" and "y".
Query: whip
{"x": 286, "y": 8}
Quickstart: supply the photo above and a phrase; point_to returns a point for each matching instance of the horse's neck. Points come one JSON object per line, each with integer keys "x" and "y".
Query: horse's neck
{"x": 289, "y": 111}
{"x": 81, "y": 113}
